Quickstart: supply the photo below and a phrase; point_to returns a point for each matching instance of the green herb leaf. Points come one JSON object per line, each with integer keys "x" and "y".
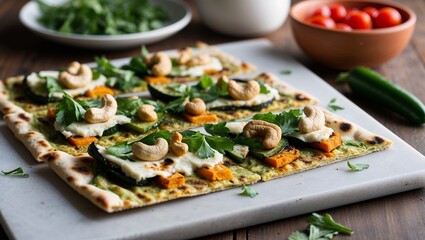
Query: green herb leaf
{"x": 176, "y": 106}
{"x": 285, "y": 72}
{"x": 129, "y": 107}
{"x": 122, "y": 150}
{"x": 327, "y": 223}
{"x": 298, "y": 236}
{"x": 219, "y": 129}
{"x": 205, "y": 82}
{"x": 52, "y": 86}
{"x": 117, "y": 78}
{"x": 203, "y": 145}
{"x": 19, "y": 172}
{"x": 150, "y": 139}
{"x": 248, "y": 191}
{"x": 287, "y": 121}
{"x": 331, "y": 106}
{"x": 252, "y": 143}
{"x": 69, "y": 111}
{"x": 357, "y": 167}
{"x": 263, "y": 88}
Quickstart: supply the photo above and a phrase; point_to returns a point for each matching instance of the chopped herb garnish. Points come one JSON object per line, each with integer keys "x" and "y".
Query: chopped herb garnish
{"x": 129, "y": 107}
{"x": 263, "y": 88}
{"x": 204, "y": 145}
{"x": 320, "y": 228}
{"x": 219, "y": 129}
{"x": 52, "y": 86}
{"x": 357, "y": 167}
{"x": 117, "y": 77}
{"x": 287, "y": 121}
{"x": 19, "y": 172}
{"x": 248, "y": 191}
{"x": 285, "y": 72}
{"x": 331, "y": 106}
{"x": 69, "y": 111}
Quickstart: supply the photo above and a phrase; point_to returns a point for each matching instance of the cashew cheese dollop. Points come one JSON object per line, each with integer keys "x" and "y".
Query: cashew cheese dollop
{"x": 84, "y": 129}
{"x": 165, "y": 167}
{"x": 315, "y": 136}
{"x": 196, "y": 71}
{"x": 37, "y": 83}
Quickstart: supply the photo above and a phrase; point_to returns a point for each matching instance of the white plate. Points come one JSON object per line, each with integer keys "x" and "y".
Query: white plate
{"x": 178, "y": 11}
{"x": 45, "y": 207}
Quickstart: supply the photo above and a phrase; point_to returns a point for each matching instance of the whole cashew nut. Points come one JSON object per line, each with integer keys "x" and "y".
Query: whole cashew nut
{"x": 239, "y": 92}
{"x": 146, "y": 152}
{"x": 185, "y": 55}
{"x": 106, "y": 111}
{"x": 160, "y": 63}
{"x": 76, "y": 76}
{"x": 314, "y": 120}
{"x": 177, "y": 146}
{"x": 147, "y": 113}
{"x": 270, "y": 133}
{"x": 195, "y": 107}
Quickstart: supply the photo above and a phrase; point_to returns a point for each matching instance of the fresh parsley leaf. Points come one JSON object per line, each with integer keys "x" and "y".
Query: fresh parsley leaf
{"x": 263, "y": 88}
{"x": 252, "y": 143}
{"x": 331, "y": 106}
{"x": 138, "y": 65}
{"x": 117, "y": 78}
{"x": 150, "y": 139}
{"x": 357, "y": 167}
{"x": 176, "y": 106}
{"x": 207, "y": 90}
{"x": 69, "y": 111}
{"x": 285, "y": 72}
{"x": 203, "y": 145}
{"x": 89, "y": 103}
{"x": 248, "y": 191}
{"x": 287, "y": 121}
{"x": 52, "y": 86}
{"x": 129, "y": 107}
{"x": 121, "y": 150}
{"x": 327, "y": 223}
{"x": 320, "y": 228}
{"x": 19, "y": 172}
{"x": 205, "y": 82}
{"x": 179, "y": 88}
{"x": 219, "y": 129}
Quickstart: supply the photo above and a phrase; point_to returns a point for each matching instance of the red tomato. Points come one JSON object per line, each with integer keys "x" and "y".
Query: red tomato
{"x": 343, "y": 26}
{"x": 326, "y": 22}
{"x": 358, "y": 20}
{"x": 387, "y": 17}
{"x": 324, "y": 11}
{"x": 373, "y": 12}
{"x": 338, "y": 12}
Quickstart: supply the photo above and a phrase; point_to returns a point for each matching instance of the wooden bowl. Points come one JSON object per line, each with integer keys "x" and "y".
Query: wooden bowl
{"x": 347, "y": 49}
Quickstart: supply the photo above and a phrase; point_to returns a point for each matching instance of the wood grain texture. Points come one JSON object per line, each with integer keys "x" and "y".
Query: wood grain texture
{"x": 399, "y": 216}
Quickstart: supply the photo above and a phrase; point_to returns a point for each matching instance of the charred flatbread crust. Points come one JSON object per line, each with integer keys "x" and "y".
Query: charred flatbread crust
{"x": 80, "y": 173}
{"x": 357, "y": 142}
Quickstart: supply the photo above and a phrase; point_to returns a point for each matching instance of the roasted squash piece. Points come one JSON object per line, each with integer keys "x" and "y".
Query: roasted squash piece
{"x": 286, "y": 156}
{"x": 327, "y": 145}
{"x": 51, "y": 113}
{"x": 99, "y": 91}
{"x": 81, "y": 141}
{"x": 203, "y": 118}
{"x": 210, "y": 71}
{"x": 157, "y": 79}
{"x": 218, "y": 172}
{"x": 174, "y": 181}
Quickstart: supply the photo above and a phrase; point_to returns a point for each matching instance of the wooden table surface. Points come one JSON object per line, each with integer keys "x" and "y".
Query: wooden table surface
{"x": 399, "y": 216}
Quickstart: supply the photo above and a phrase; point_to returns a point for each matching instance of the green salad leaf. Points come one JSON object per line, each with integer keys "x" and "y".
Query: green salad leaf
{"x": 248, "y": 191}
{"x": 357, "y": 167}
{"x": 102, "y": 17}
{"x": 19, "y": 172}
{"x": 68, "y": 111}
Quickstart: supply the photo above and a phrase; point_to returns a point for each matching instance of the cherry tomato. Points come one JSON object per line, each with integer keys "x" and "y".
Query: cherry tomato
{"x": 343, "y": 26}
{"x": 387, "y": 17}
{"x": 323, "y": 11}
{"x": 373, "y": 12}
{"x": 338, "y": 12}
{"x": 326, "y": 22}
{"x": 358, "y": 20}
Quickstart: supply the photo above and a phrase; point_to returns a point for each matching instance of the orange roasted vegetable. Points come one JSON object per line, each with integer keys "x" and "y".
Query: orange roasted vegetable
{"x": 327, "y": 145}
{"x": 202, "y": 118}
{"x": 99, "y": 91}
{"x": 81, "y": 141}
{"x": 174, "y": 181}
{"x": 157, "y": 80}
{"x": 218, "y": 172}
{"x": 288, "y": 155}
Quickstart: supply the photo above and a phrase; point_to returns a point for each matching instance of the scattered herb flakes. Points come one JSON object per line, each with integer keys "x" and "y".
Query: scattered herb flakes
{"x": 357, "y": 167}
{"x": 285, "y": 72}
{"x": 320, "y": 228}
{"x": 331, "y": 105}
{"x": 18, "y": 172}
{"x": 248, "y": 191}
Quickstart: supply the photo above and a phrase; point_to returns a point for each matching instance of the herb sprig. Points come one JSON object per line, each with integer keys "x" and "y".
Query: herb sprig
{"x": 248, "y": 191}
{"x": 18, "y": 172}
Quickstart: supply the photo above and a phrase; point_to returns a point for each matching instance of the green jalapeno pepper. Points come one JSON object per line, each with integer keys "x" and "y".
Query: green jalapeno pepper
{"x": 370, "y": 85}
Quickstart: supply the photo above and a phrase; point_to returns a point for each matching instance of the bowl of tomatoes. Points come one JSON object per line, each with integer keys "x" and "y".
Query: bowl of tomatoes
{"x": 343, "y": 34}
